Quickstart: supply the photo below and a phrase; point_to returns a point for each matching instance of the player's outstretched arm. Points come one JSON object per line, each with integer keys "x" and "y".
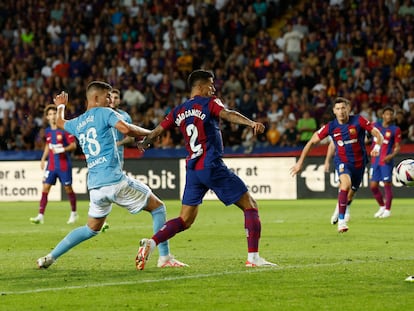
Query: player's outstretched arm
{"x": 236, "y": 117}
{"x": 147, "y": 141}
{"x": 298, "y": 166}
{"x": 131, "y": 129}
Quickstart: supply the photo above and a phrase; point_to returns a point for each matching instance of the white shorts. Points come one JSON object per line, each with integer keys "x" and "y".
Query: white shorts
{"x": 129, "y": 193}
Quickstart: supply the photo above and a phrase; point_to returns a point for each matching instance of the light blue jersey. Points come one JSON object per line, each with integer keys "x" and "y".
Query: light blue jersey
{"x": 119, "y": 136}
{"x": 94, "y": 130}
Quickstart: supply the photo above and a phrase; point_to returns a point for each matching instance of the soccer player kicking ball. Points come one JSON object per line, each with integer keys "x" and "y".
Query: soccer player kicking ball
{"x": 348, "y": 135}
{"x": 107, "y": 183}
{"x": 198, "y": 121}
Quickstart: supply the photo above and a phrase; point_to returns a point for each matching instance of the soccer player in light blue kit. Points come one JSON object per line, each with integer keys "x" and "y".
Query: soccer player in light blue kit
{"x": 107, "y": 183}
{"x": 121, "y": 139}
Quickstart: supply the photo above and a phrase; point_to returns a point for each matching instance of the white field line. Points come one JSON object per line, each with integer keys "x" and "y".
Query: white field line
{"x": 196, "y": 276}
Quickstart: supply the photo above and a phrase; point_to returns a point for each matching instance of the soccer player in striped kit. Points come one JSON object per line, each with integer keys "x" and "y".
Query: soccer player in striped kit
{"x": 382, "y": 166}
{"x": 198, "y": 121}
{"x": 57, "y": 150}
{"x": 348, "y": 135}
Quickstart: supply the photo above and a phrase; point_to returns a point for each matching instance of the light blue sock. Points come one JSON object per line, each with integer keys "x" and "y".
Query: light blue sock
{"x": 158, "y": 220}
{"x": 73, "y": 238}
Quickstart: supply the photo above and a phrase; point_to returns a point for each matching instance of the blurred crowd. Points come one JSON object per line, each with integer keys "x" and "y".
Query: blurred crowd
{"x": 362, "y": 50}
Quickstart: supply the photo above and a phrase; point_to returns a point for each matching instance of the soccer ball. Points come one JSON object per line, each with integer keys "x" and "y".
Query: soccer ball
{"x": 405, "y": 172}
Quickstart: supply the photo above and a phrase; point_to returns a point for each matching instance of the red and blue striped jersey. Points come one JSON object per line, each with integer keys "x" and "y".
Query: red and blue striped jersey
{"x": 60, "y": 161}
{"x": 349, "y": 139}
{"x": 392, "y": 136}
{"x": 198, "y": 121}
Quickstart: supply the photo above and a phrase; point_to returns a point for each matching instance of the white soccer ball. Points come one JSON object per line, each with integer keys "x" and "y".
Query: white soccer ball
{"x": 405, "y": 172}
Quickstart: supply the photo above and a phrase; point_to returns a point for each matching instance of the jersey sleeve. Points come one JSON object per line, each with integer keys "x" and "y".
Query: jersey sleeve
{"x": 69, "y": 138}
{"x": 365, "y": 124}
{"x": 168, "y": 121}
{"x": 397, "y": 135}
{"x": 215, "y": 106}
{"x": 323, "y": 131}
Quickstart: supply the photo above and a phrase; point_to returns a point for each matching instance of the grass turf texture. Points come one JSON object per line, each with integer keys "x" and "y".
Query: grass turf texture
{"x": 319, "y": 269}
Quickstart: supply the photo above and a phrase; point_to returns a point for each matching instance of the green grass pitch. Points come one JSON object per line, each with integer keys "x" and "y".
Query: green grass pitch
{"x": 319, "y": 269}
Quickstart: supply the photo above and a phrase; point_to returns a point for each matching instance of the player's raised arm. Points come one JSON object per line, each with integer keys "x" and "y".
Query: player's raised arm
{"x": 298, "y": 166}
{"x": 61, "y": 100}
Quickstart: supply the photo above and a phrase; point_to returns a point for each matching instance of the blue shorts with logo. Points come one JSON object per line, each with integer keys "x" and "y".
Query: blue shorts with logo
{"x": 381, "y": 172}
{"x": 64, "y": 177}
{"x": 356, "y": 174}
{"x": 228, "y": 187}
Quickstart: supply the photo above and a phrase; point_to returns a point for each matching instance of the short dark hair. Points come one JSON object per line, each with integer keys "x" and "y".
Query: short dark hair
{"x": 199, "y": 75}
{"x": 116, "y": 91}
{"x": 387, "y": 108}
{"x": 49, "y": 107}
{"x": 342, "y": 100}
{"x": 99, "y": 86}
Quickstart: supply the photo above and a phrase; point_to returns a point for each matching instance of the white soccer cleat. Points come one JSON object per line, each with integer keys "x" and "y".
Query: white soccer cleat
{"x": 380, "y": 212}
{"x": 45, "y": 262}
{"x": 334, "y": 217}
{"x": 348, "y": 214}
{"x": 342, "y": 226}
{"x": 260, "y": 262}
{"x": 146, "y": 246}
{"x": 38, "y": 220}
{"x": 169, "y": 261}
{"x": 386, "y": 214}
{"x": 410, "y": 278}
{"x": 73, "y": 218}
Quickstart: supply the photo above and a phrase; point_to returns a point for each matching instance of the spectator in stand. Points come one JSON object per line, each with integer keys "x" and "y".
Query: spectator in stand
{"x": 306, "y": 126}
{"x": 293, "y": 43}
{"x": 133, "y": 97}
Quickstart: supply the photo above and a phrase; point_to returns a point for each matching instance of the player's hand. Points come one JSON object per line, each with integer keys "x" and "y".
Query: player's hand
{"x": 61, "y": 99}
{"x": 258, "y": 128}
{"x": 295, "y": 169}
{"x": 141, "y": 146}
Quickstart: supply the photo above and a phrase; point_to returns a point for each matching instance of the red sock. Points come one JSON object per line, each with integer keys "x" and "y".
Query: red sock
{"x": 253, "y": 229}
{"x": 43, "y": 203}
{"x": 170, "y": 228}
{"x": 388, "y": 196}
{"x": 72, "y": 200}
{"x": 377, "y": 195}
{"x": 342, "y": 202}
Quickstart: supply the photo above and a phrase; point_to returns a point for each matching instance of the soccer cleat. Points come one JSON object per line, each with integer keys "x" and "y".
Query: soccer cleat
{"x": 410, "y": 278}
{"x": 348, "y": 214}
{"x": 45, "y": 262}
{"x": 73, "y": 218}
{"x": 105, "y": 227}
{"x": 342, "y": 226}
{"x": 37, "y": 220}
{"x": 260, "y": 262}
{"x": 380, "y": 212}
{"x": 144, "y": 251}
{"x": 334, "y": 217}
{"x": 386, "y": 214}
{"x": 170, "y": 261}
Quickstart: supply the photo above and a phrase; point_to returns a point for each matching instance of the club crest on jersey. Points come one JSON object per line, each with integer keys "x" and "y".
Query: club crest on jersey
{"x": 387, "y": 134}
{"x": 59, "y": 136}
{"x": 352, "y": 131}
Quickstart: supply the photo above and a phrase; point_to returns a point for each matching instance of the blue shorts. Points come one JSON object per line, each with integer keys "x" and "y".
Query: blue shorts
{"x": 381, "y": 173}
{"x": 64, "y": 177}
{"x": 228, "y": 187}
{"x": 356, "y": 174}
